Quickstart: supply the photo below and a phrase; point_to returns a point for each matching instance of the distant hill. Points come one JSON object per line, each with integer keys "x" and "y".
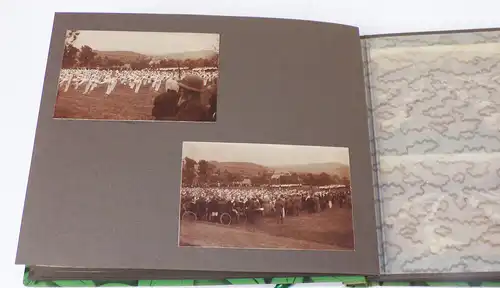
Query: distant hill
{"x": 248, "y": 169}
{"x": 204, "y": 54}
{"x": 332, "y": 168}
{"x": 129, "y": 56}
{"x": 251, "y": 169}
{"x": 120, "y": 55}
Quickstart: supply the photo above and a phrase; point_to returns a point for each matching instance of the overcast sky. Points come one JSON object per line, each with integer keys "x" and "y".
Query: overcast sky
{"x": 264, "y": 154}
{"x": 149, "y": 43}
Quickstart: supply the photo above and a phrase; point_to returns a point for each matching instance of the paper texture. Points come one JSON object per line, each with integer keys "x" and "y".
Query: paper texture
{"x": 436, "y": 112}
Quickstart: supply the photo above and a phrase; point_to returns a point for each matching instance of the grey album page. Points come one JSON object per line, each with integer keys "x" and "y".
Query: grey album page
{"x": 201, "y": 143}
{"x": 436, "y": 114}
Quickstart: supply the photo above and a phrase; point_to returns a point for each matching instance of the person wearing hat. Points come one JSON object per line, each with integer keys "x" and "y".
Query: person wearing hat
{"x": 189, "y": 105}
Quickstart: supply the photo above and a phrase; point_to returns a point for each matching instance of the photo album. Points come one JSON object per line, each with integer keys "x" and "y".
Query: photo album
{"x": 183, "y": 146}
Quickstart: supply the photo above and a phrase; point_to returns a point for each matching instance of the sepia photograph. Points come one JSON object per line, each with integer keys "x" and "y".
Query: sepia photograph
{"x": 265, "y": 196}
{"x": 122, "y": 75}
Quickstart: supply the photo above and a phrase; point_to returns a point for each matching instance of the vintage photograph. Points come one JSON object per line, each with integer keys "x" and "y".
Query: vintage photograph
{"x": 262, "y": 196}
{"x": 121, "y": 75}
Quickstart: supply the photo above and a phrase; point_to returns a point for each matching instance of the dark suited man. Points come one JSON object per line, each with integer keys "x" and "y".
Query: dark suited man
{"x": 165, "y": 104}
{"x": 189, "y": 106}
{"x": 212, "y": 106}
{"x": 280, "y": 210}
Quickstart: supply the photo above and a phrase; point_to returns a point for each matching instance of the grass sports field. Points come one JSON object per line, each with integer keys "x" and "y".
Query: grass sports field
{"x": 327, "y": 230}
{"x": 122, "y": 104}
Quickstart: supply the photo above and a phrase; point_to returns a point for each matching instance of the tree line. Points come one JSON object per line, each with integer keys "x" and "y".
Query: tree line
{"x": 205, "y": 173}
{"x": 86, "y": 57}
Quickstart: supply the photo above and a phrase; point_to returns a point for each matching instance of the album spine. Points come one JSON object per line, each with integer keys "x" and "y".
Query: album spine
{"x": 377, "y": 197}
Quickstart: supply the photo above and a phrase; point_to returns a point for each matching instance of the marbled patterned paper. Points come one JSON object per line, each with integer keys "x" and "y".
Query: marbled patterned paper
{"x": 435, "y": 101}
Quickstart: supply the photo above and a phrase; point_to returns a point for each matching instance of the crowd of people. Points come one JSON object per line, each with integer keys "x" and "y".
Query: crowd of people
{"x": 209, "y": 203}
{"x": 182, "y": 95}
{"x": 87, "y": 80}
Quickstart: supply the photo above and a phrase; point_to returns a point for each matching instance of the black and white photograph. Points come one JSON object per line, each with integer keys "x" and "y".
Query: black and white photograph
{"x": 265, "y": 196}
{"x": 124, "y": 75}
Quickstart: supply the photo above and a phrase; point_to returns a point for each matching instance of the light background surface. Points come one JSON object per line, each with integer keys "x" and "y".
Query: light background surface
{"x": 436, "y": 116}
{"x": 26, "y": 27}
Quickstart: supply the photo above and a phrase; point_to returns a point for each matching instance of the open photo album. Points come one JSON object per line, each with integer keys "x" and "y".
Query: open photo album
{"x": 182, "y": 146}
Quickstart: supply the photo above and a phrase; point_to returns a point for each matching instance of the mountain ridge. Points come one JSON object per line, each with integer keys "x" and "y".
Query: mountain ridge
{"x": 331, "y": 168}
{"x": 252, "y": 169}
{"x": 130, "y": 55}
